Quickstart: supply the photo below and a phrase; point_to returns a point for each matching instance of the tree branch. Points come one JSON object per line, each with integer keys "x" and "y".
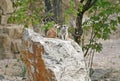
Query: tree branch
{"x": 81, "y": 1}
{"x": 92, "y": 3}
{"x": 47, "y": 5}
{"x": 88, "y": 5}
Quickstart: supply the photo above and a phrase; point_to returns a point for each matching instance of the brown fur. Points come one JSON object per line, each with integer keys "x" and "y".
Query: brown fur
{"x": 52, "y": 33}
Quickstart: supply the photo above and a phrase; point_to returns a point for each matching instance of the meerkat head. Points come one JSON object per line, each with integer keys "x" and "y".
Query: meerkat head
{"x": 56, "y": 26}
{"x": 65, "y": 27}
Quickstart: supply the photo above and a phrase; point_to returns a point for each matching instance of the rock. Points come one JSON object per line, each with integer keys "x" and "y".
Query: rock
{"x": 1, "y": 77}
{"x": 18, "y": 31}
{"x": 14, "y": 31}
{"x": 50, "y": 59}
{"x": 4, "y": 45}
{"x": 39, "y": 29}
{"x": 0, "y": 12}
{"x": 6, "y": 6}
{"x": 100, "y": 74}
{"x": 15, "y": 46}
{"x": 10, "y": 40}
{"x": 4, "y": 19}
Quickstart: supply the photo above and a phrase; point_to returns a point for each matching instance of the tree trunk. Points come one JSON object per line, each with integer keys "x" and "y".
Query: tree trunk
{"x": 47, "y": 5}
{"x": 78, "y": 30}
{"x": 48, "y": 10}
{"x": 57, "y": 9}
{"x": 54, "y": 7}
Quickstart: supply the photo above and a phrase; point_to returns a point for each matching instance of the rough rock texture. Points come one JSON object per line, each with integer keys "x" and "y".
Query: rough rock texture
{"x": 6, "y": 8}
{"x": 10, "y": 40}
{"x": 50, "y": 59}
{"x": 4, "y": 45}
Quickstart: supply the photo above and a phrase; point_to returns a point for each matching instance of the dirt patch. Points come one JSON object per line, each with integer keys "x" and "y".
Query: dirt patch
{"x": 108, "y": 59}
{"x": 11, "y": 70}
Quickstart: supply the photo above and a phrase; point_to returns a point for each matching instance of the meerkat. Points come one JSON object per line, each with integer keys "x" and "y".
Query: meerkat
{"x": 52, "y": 33}
{"x": 63, "y": 33}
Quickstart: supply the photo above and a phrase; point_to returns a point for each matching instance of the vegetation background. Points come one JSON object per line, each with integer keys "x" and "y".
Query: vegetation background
{"x": 89, "y": 21}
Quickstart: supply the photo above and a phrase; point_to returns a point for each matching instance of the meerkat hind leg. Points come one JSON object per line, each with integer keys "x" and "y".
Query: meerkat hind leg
{"x": 62, "y": 37}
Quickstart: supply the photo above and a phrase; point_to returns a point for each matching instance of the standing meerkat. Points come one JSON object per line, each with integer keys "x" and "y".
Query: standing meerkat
{"x": 52, "y": 33}
{"x": 63, "y": 33}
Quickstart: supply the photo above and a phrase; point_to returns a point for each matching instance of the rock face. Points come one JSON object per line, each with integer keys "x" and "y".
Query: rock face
{"x": 10, "y": 40}
{"x": 6, "y": 8}
{"x": 50, "y": 59}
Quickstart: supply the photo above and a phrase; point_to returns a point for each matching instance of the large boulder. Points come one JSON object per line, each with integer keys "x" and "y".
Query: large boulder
{"x": 52, "y": 59}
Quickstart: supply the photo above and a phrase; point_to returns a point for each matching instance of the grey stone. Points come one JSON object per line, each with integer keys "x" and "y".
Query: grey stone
{"x": 15, "y": 46}
{"x": 100, "y": 74}
{"x": 6, "y": 6}
{"x": 13, "y": 31}
{"x": 1, "y": 77}
{"x": 5, "y": 44}
{"x": 64, "y": 59}
{"x": 10, "y": 40}
{"x": 4, "y": 19}
{"x": 0, "y": 12}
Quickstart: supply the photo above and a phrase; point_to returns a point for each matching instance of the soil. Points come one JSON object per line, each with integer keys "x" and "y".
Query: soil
{"x": 11, "y": 70}
{"x": 108, "y": 61}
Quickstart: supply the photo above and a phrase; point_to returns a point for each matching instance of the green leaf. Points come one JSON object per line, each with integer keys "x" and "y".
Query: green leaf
{"x": 6, "y": 66}
{"x": 98, "y": 47}
{"x": 105, "y": 36}
{"x": 48, "y": 25}
{"x": 98, "y": 35}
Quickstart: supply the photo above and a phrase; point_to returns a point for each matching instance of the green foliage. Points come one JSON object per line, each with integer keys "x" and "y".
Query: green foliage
{"x": 80, "y": 7}
{"x": 28, "y": 12}
{"x": 24, "y": 71}
{"x": 48, "y": 25}
{"x": 6, "y": 66}
{"x": 71, "y": 11}
{"x": 103, "y": 20}
{"x": 71, "y": 30}
{"x": 94, "y": 46}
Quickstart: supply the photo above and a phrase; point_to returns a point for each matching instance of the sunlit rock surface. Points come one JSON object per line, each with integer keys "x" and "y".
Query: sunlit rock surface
{"x": 52, "y": 59}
